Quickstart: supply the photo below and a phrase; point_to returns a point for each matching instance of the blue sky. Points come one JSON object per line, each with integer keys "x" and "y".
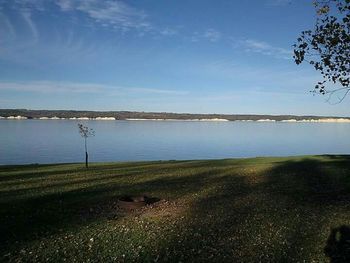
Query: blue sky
{"x": 194, "y": 56}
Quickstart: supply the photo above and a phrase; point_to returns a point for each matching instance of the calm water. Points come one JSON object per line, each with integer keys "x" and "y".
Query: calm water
{"x": 51, "y": 141}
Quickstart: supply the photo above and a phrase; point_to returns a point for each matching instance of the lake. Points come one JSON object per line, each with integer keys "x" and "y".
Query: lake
{"x": 58, "y": 141}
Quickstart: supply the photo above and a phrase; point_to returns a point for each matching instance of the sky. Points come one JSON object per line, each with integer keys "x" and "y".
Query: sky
{"x": 195, "y": 56}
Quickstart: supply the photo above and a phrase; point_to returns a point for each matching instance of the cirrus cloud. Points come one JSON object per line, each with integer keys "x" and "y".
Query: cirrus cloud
{"x": 116, "y": 14}
{"x": 45, "y": 86}
{"x": 263, "y": 48}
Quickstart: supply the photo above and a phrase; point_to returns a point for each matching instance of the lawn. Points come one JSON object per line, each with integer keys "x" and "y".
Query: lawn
{"x": 293, "y": 209}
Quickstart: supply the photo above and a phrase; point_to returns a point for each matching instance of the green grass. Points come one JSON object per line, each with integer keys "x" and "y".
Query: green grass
{"x": 239, "y": 210}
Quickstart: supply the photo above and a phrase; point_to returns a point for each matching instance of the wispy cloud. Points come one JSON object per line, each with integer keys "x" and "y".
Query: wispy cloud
{"x": 65, "y": 5}
{"x": 264, "y": 48}
{"x": 51, "y": 87}
{"x": 28, "y": 5}
{"x": 194, "y": 37}
{"x": 212, "y": 35}
{"x": 250, "y": 76}
{"x": 9, "y": 27}
{"x": 31, "y": 25}
{"x": 112, "y": 13}
{"x": 87, "y": 88}
{"x": 168, "y": 31}
{"x": 116, "y": 14}
{"x": 159, "y": 91}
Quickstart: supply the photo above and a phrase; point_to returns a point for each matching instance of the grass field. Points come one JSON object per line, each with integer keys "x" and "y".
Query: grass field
{"x": 293, "y": 209}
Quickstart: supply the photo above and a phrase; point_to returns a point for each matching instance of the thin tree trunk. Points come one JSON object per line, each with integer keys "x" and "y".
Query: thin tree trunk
{"x": 86, "y": 160}
{"x": 86, "y": 156}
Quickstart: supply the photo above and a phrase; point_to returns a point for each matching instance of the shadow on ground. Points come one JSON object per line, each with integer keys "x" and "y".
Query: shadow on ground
{"x": 231, "y": 211}
{"x": 277, "y": 214}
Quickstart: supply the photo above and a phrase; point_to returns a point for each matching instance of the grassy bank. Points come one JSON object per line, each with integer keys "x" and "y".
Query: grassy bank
{"x": 246, "y": 210}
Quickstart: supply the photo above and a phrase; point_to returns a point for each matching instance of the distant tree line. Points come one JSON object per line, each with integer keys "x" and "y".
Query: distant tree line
{"x": 122, "y": 115}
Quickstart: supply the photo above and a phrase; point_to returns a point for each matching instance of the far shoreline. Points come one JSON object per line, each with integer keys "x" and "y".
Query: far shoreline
{"x": 321, "y": 120}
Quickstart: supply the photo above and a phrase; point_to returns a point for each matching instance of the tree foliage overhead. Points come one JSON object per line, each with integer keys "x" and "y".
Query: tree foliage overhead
{"x": 327, "y": 46}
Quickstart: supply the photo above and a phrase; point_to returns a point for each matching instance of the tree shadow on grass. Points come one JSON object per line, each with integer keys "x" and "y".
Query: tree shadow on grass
{"x": 315, "y": 195}
{"x": 32, "y": 217}
{"x": 280, "y": 217}
{"x": 276, "y": 215}
{"x": 311, "y": 180}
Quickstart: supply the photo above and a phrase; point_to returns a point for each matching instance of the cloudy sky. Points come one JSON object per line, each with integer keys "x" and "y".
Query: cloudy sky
{"x": 198, "y": 56}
